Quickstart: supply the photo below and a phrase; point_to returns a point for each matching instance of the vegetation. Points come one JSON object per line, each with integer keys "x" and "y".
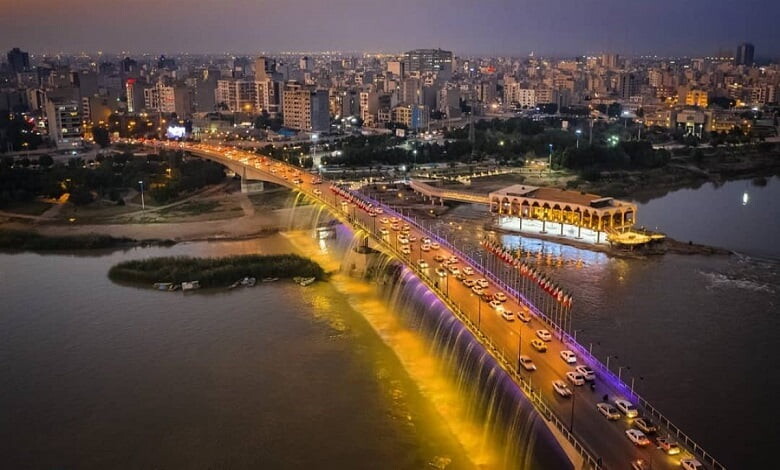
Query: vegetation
{"x": 25, "y": 240}
{"x": 166, "y": 176}
{"x": 214, "y": 272}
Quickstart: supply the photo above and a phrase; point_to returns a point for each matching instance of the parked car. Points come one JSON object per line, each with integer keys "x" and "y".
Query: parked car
{"x": 626, "y": 408}
{"x": 561, "y": 388}
{"x": 586, "y": 372}
{"x": 609, "y": 411}
{"x": 668, "y": 445}
{"x": 544, "y": 335}
{"x": 645, "y": 425}
{"x": 539, "y": 345}
{"x": 637, "y": 437}
{"x": 527, "y": 363}
{"x": 575, "y": 378}
{"x": 691, "y": 464}
{"x": 568, "y": 357}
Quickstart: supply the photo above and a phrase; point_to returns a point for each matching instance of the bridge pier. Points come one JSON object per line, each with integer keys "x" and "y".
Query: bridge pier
{"x": 251, "y": 186}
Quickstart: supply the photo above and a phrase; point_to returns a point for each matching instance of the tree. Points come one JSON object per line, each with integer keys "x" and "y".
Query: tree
{"x": 100, "y": 136}
{"x": 45, "y": 160}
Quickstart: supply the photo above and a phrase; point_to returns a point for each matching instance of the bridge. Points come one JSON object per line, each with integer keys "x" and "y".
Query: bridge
{"x": 442, "y": 194}
{"x": 591, "y": 440}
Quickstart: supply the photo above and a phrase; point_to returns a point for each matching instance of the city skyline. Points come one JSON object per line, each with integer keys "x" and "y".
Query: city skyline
{"x": 495, "y": 27}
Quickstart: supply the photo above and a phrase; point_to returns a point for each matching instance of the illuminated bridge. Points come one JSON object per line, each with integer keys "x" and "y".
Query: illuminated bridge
{"x": 589, "y": 439}
{"x": 442, "y": 194}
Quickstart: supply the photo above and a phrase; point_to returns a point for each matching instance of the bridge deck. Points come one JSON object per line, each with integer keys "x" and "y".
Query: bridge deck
{"x": 576, "y": 418}
{"x": 448, "y": 194}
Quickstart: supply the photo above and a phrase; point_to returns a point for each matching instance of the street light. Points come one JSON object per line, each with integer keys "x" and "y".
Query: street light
{"x": 143, "y": 206}
{"x": 578, "y": 132}
{"x": 549, "y": 162}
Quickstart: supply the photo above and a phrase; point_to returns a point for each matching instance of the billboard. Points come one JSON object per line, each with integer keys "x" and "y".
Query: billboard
{"x": 176, "y": 132}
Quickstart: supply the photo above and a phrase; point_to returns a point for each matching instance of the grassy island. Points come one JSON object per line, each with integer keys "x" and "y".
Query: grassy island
{"x": 27, "y": 240}
{"x": 214, "y": 272}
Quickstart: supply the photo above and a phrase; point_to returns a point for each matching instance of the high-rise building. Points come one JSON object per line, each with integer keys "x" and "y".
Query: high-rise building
{"x": 428, "y": 60}
{"x": 238, "y": 95}
{"x": 610, "y": 60}
{"x": 628, "y": 85}
{"x": 396, "y": 67}
{"x": 18, "y": 60}
{"x": 264, "y": 68}
{"x": 305, "y": 109}
{"x": 64, "y": 121}
{"x": 745, "y": 52}
{"x": 135, "y": 95}
{"x": 306, "y": 64}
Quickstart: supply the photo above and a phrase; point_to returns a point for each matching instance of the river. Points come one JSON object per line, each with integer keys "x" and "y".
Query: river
{"x": 100, "y": 375}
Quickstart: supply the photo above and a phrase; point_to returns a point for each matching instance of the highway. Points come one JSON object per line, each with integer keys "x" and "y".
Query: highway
{"x": 604, "y": 440}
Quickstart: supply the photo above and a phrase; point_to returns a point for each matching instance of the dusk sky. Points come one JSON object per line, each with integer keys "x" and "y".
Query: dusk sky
{"x": 465, "y": 26}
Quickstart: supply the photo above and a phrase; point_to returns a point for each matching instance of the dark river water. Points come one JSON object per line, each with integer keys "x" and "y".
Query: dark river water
{"x": 99, "y": 375}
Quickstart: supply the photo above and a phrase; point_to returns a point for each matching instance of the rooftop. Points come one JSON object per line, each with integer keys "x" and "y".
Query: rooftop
{"x": 558, "y": 195}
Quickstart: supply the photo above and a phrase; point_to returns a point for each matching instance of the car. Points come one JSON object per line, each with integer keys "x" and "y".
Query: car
{"x": 372, "y": 213}
{"x": 403, "y": 240}
{"x": 441, "y": 272}
{"x": 460, "y": 276}
{"x": 586, "y": 372}
{"x": 425, "y": 248}
{"x": 438, "y": 258}
{"x": 435, "y": 246}
{"x": 487, "y": 296}
{"x": 691, "y": 464}
{"x": 452, "y": 259}
{"x": 454, "y": 270}
{"x": 645, "y": 425}
{"x": 507, "y": 315}
{"x": 539, "y": 345}
{"x": 383, "y": 231}
{"x": 568, "y": 357}
{"x": 407, "y": 228}
{"x": 609, "y": 411}
{"x": 523, "y": 317}
{"x": 496, "y": 304}
{"x": 544, "y": 335}
{"x": 422, "y": 264}
{"x": 468, "y": 271}
{"x": 468, "y": 282}
{"x": 395, "y": 227}
{"x": 317, "y": 192}
{"x": 406, "y": 250}
{"x": 394, "y": 220}
{"x": 426, "y": 240}
{"x": 477, "y": 290}
{"x": 481, "y": 282}
{"x": 637, "y": 437}
{"x": 561, "y": 388}
{"x": 640, "y": 465}
{"x": 379, "y": 210}
{"x": 384, "y": 220}
{"x": 575, "y": 378}
{"x": 668, "y": 445}
{"x": 412, "y": 238}
{"x": 527, "y": 363}
{"x": 500, "y": 296}
{"x": 626, "y": 408}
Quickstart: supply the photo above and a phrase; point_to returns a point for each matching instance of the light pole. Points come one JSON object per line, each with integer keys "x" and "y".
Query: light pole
{"x": 578, "y": 132}
{"x": 549, "y": 159}
{"x": 143, "y": 205}
{"x": 571, "y": 421}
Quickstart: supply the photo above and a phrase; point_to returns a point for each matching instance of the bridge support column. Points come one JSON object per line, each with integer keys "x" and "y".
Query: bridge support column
{"x": 251, "y": 186}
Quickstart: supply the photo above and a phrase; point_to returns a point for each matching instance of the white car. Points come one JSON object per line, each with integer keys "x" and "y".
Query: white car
{"x": 507, "y": 315}
{"x": 477, "y": 290}
{"x": 412, "y": 238}
{"x": 482, "y": 283}
{"x": 586, "y": 372}
{"x": 425, "y": 247}
{"x": 422, "y": 264}
{"x": 468, "y": 283}
{"x": 609, "y": 411}
{"x": 645, "y": 425}
{"x": 454, "y": 270}
{"x": 523, "y": 317}
{"x": 527, "y": 363}
{"x": 452, "y": 259}
{"x": 383, "y": 231}
{"x": 691, "y": 464}
{"x": 637, "y": 437}
{"x": 544, "y": 335}
{"x": 500, "y": 296}
{"x": 561, "y": 388}
{"x": 426, "y": 240}
{"x": 402, "y": 239}
{"x": 496, "y": 304}
{"x": 317, "y": 192}
{"x": 468, "y": 271}
{"x": 626, "y": 408}
{"x": 575, "y": 378}
{"x": 384, "y": 220}
{"x": 438, "y": 258}
{"x": 406, "y": 250}
{"x": 668, "y": 445}
{"x": 434, "y": 246}
{"x": 568, "y": 357}
{"x": 441, "y": 272}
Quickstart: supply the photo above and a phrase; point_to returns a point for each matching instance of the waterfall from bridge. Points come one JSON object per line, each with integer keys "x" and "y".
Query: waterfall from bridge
{"x": 502, "y": 426}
